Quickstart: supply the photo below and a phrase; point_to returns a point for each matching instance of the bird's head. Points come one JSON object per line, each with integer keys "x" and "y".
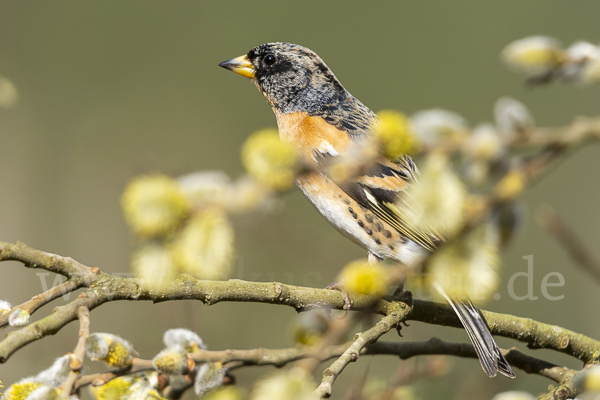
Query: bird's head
{"x": 291, "y": 77}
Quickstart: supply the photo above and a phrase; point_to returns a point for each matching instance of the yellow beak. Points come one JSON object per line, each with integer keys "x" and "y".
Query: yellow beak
{"x": 240, "y": 65}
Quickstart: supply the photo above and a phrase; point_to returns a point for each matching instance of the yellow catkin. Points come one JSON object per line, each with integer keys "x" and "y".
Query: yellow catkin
{"x": 154, "y": 205}
{"x": 118, "y": 355}
{"x": 225, "y": 393}
{"x": 434, "y": 204}
{"x": 205, "y": 247}
{"x": 270, "y": 161}
{"x": 117, "y": 388}
{"x": 153, "y": 263}
{"x": 171, "y": 361}
{"x": 468, "y": 267}
{"x": 394, "y": 132}
{"x": 361, "y": 277}
{"x": 20, "y": 391}
{"x": 534, "y": 55}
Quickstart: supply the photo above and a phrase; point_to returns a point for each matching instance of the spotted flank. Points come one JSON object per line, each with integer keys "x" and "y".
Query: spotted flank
{"x": 379, "y": 190}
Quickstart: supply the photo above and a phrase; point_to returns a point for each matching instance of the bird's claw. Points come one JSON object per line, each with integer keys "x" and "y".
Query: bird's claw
{"x": 347, "y": 301}
{"x": 347, "y": 304}
{"x": 399, "y": 328}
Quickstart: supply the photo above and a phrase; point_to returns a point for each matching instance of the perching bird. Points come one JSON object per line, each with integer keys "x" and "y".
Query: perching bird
{"x": 323, "y": 120}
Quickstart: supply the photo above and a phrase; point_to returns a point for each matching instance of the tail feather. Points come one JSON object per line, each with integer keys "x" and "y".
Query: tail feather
{"x": 491, "y": 358}
{"x": 504, "y": 366}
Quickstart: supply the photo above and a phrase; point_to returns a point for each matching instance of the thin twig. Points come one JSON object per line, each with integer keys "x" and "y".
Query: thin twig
{"x": 353, "y": 351}
{"x": 33, "y": 258}
{"x": 76, "y": 363}
{"x": 580, "y": 129}
{"x": 548, "y": 219}
{"x": 435, "y": 346}
{"x": 42, "y": 299}
{"x": 137, "y": 365}
{"x": 49, "y": 325}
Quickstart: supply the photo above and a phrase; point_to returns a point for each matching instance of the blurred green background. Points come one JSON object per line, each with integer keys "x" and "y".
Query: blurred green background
{"x": 113, "y": 89}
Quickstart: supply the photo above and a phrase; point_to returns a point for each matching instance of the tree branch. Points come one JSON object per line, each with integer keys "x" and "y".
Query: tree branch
{"x": 76, "y": 363}
{"x": 105, "y": 288}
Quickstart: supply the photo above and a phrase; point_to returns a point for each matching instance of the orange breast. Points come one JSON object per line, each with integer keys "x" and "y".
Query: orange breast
{"x": 308, "y": 134}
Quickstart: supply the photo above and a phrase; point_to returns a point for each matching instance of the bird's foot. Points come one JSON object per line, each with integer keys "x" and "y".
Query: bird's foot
{"x": 339, "y": 285}
{"x": 405, "y": 296}
{"x": 399, "y": 328}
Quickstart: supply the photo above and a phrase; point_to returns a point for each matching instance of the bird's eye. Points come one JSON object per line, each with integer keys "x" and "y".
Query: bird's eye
{"x": 269, "y": 59}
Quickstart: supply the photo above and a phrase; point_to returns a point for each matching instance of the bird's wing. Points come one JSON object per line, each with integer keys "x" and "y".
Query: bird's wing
{"x": 378, "y": 188}
{"x": 378, "y": 191}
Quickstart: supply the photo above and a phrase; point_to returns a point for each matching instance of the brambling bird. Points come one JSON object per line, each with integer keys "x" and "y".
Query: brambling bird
{"x": 317, "y": 115}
